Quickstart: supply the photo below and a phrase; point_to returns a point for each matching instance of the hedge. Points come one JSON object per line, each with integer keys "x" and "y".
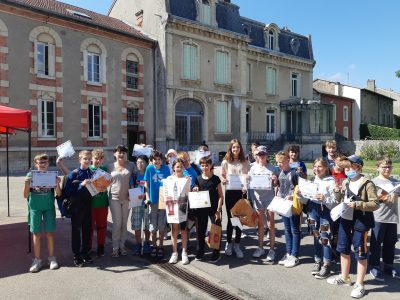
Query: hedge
{"x": 375, "y": 132}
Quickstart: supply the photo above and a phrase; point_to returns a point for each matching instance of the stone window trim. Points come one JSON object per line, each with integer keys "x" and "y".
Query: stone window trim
{"x": 271, "y": 33}
{"x": 198, "y": 55}
{"x": 3, "y": 29}
{"x": 295, "y": 90}
{"x": 41, "y": 134}
{"x": 199, "y": 17}
{"x": 103, "y": 60}
{"x": 95, "y": 103}
{"x": 126, "y": 53}
{"x": 345, "y": 113}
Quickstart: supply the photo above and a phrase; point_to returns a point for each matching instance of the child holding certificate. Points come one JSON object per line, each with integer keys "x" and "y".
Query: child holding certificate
{"x": 319, "y": 218}
{"x": 233, "y": 167}
{"x": 207, "y": 181}
{"x": 41, "y": 214}
{"x": 384, "y": 234}
{"x": 262, "y": 197}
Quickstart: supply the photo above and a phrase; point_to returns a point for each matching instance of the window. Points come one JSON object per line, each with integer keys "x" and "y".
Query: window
{"x": 270, "y": 121}
{"x": 93, "y": 67}
{"x": 345, "y": 113}
{"x": 46, "y": 118}
{"x": 346, "y": 132}
{"x": 189, "y": 61}
{"x": 94, "y": 121}
{"x": 295, "y": 84}
{"x": 132, "y": 75}
{"x": 221, "y": 122}
{"x": 248, "y": 83}
{"x": 271, "y": 39}
{"x": 205, "y": 12}
{"x": 132, "y": 116}
{"x": 222, "y": 67}
{"x": 248, "y": 118}
{"x": 271, "y": 81}
{"x": 45, "y": 59}
{"x": 139, "y": 18}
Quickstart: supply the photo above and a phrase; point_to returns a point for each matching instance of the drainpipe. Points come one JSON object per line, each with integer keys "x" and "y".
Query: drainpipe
{"x": 155, "y": 95}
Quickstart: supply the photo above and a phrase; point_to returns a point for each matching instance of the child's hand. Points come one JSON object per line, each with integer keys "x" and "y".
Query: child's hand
{"x": 298, "y": 193}
{"x": 86, "y": 182}
{"x": 28, "y": 180}
{"x": 224, "y": 181}
{"x": 147, "y": 201}
{"x": 320, "y": 197}
{"x": 218, "y": 215}
{"x": 351, "y": 204}
{"x": 195, "y": 189}
{"x": 142, "y": 197}
{"x": 58, "y": 180}
{"x": 59, "y": 161}
{"x": 289, "y": 197}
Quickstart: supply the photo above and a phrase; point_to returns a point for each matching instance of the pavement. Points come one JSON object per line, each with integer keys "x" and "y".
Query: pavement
{"x": 131, "y": 276}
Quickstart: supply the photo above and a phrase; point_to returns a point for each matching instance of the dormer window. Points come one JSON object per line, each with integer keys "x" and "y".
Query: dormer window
{"x": 271, "y": 34}
{"x": 205, "y": 12}
{"x": 271, "y": 38}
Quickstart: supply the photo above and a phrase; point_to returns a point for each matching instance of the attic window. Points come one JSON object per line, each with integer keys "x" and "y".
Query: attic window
{"x": 139, "y": 18}
{"x": 79, "y": 14}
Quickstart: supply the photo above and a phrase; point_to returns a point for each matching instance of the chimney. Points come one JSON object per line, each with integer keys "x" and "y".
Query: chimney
{"x": 371, "y": 85}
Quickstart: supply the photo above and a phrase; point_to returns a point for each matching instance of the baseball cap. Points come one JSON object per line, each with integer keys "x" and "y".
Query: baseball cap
{"x": 171, "y": 151}
{"x": 261, "y": 150}
{"x": 356, "y": 160}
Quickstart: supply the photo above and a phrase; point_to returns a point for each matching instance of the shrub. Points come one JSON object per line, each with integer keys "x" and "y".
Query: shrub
{"x": 375, "y": 132}
{"x": 372, "y": 151}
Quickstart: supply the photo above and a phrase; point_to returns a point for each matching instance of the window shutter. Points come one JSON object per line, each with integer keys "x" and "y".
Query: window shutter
{"x": 85, "y": 65}
{"x": 186, "y": 61}
{"x": 52, "y": 60}
{"x": 35, "y": 56}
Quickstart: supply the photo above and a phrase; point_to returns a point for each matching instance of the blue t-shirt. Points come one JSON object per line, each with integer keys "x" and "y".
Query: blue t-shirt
{"x": 192, "y": 173}
{"x": 298, "y": 164}
{"x": 154, "y": 179}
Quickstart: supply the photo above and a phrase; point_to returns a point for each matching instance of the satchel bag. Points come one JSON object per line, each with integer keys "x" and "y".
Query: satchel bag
{"x": 245, "y": 212}
{"x": 297, "y": 207}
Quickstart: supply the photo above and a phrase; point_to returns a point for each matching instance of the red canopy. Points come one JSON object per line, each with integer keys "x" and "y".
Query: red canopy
{"x": 14, "y": 118}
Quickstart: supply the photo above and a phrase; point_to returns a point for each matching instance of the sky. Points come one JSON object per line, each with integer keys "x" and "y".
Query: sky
{"x": 353, "y": 40}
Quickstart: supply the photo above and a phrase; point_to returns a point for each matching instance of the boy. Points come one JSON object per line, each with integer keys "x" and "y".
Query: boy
{"x": 41, "y": 211}
{"x": 294, "y": 163}
{"x": 330, "y": 148}
{"x": 81, "y": 215}
{"x": 155, "y": 173}
{"x": 359, "y": 195}
{"x": 386, "y": 220}
{"x": 287, "y": 180}
{"x": 99, "y": 205}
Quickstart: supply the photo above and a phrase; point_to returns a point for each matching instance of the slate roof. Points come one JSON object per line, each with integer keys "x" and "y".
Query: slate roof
{"x": 228, "y": 18}
{"x": 61, "y": 9}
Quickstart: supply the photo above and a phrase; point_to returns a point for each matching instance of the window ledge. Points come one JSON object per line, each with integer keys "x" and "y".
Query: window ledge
{"x": 223, "y": 85}
{"x": 94, "y": 83}
{"x": 132, "y": 90}
{"x": 187, "y": 80}
{"x": 273, "y": 95}
{"x": 41, "y": 76}
{"x": 42, "y": 138}
{"x": 223, "y": 133}
{"x": 95, "y": 139}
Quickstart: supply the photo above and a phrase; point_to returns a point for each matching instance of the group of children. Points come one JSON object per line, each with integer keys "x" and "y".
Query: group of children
{"x": 367, "y": 204}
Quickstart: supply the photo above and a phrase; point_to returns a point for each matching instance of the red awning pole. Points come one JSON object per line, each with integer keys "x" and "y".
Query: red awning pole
{"x": 8, "y": 177}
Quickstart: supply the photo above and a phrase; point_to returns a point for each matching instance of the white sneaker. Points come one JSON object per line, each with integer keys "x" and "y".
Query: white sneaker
{"x": 339, "y": 280}
{"x": 36, "y": 265}
{"x": 174, "y": 258}
{"x": 228, "y": 249}
{"x": 53, "y": 263}
{"x": 271, "y": 255}
{"x": 283, "y": 260}
{"x": 259, "y": 252}
{"x": 123, "y": 251}
{"x": 238, "y": 251}
{"x": 185, "y": 259}
{"x": 358, "y": 291}
{"x": 291, "y": 262}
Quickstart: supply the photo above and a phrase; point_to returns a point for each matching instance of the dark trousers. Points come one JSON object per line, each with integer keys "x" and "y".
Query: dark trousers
{"x": 231, "y": 197}
{"x": 383, "y": 240}
{"x": 81, "y": 222}
{"x": 202, "y": 216}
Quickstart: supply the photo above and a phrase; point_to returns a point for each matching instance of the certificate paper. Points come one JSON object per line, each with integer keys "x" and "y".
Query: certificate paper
{"x": 46, "y": 179}
{"x": 308, "y": 188}
{"x": 260, "y": 182}
{"x": 294, "y": 165}
{"x": 235, "y": 182}
{"x": 199, "y": 199}
{"x": 134, "y": 200}
{"x": 236, "y": 222}
{"x": 389, "y": 188}
{"x": 65, "y": 150}
{"x": 176, "y": 198}
{"x": 141, "y": 150}
{"x": 100, "y": 180}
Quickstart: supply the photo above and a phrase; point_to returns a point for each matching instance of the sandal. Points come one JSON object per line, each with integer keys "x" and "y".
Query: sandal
{"x": 160, "y": 253}
{"x": 153, "y": 252}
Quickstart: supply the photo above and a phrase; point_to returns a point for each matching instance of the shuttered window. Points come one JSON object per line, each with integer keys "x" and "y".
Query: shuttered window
{"x": 190, "y": 61}
{"x": 221, "y": 67}
{"x": 205, "y": 14}
{"x": 221, "y": 122}
{"x": 271, "y": 81}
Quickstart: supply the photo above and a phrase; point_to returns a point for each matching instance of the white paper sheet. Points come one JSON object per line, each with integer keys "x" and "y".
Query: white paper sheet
{"x": 65, "y": 150}
{"x": 337, "y": 211}
{"x": 201, "y": 154}
{"x": 308, "y": 188}
{"x": 134, "y": 194}
{"x": 236, "y": 222}
{"x": 389, "y": 188}
{"x": 141, "y": 150}
{"x": 347, "y": 212}
{"x": 260, "y": 182}
{"x": 176, "y": 198}
{"x": 294, "y": 165}
{"x": 199, "y": 199}
{"x": 235, "y": 182}
{"x": 47, "y": 179}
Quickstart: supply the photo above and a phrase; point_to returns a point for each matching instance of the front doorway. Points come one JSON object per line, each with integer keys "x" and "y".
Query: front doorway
{"x": 188, "y": 124}
{"x": 134, "y": 137}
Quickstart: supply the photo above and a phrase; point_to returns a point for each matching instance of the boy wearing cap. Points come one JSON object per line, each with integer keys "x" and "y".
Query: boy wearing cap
{"x": 359, "y": 195}
{"x": 261, "y": 200}
{"x": 170, "y": 158}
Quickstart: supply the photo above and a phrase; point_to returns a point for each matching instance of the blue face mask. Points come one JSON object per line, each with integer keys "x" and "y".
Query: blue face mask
{"x": 351, "y": 174}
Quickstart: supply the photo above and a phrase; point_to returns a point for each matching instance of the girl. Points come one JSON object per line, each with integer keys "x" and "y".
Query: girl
{"x": 235, "y": 164}
{"x": 294, "y": 162}
{"x": 178, "y": 168}
{"x": 121, "y": 171}
{"x": 319, "y": 218}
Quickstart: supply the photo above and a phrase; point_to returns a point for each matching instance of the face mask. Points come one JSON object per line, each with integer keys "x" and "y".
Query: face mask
{"x": 351, "y": 174}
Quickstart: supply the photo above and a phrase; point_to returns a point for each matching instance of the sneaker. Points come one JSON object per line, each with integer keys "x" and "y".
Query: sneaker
{"x": 283, "y": 260}
{"x": 153, "y": 252}
{"x": 78, "y": 261}
{"x": 271, "y": 255}
{"x": 174, "y": 258}
{"x": 115, "y": 253}
{"x": 100, "y": 250}
{"x": 358, "y": 291}
{"x": 53, "y": 263}
{"x": 123, "y": 251}
{"x": 87, "y": 259}
{"x": 376, "y": 274}
{"x": 291, "y": 262}
{"x": 215, "y": 257}
{"x": 185, "y": 259}
{"x": 160, "y": 253}
{"x": 396, "y": 274}
{"x": 325, "y": 272}
{"x": 137, "y": 249}
{"x": 199, "y": 255}
{"x": 228, "y": 249}
{"x": 259, "y": 252}
{"x": 238, "y": 251}
{"x": 317, "y": 267}
{"x": 36, "y": 265}
{"x": 339, "y": 280}
{"x": 146, "y": 248}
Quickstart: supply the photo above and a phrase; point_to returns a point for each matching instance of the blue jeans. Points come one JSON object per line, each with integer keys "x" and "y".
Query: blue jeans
{"x": 383, "y": 240}
{"x": 292, "y": 234}
{"x": 319, "y": 220}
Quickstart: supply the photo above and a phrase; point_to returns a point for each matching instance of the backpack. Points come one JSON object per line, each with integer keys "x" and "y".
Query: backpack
{"x": 64, "y": 203}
